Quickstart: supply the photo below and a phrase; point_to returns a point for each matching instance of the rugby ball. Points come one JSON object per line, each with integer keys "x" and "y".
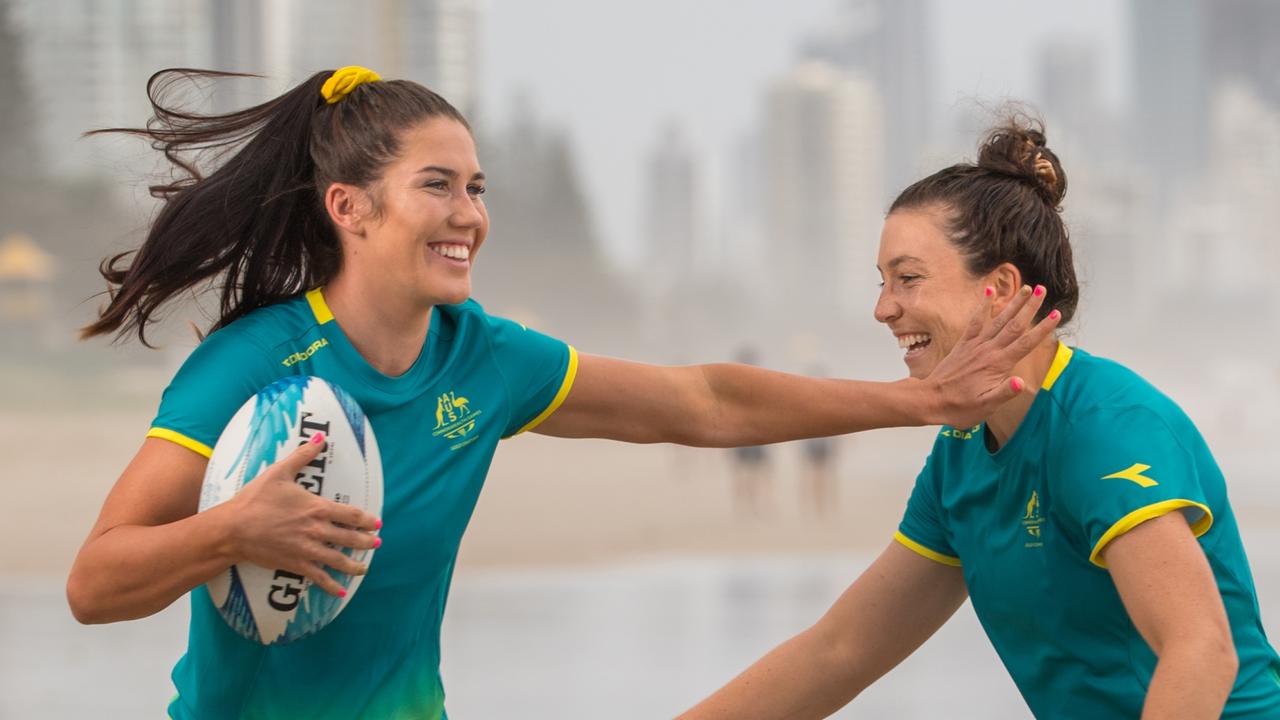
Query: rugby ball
{"x": 274, "y": 606}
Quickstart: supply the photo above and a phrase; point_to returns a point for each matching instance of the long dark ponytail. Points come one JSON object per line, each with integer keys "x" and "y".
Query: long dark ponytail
{"x": 255, "y": 229}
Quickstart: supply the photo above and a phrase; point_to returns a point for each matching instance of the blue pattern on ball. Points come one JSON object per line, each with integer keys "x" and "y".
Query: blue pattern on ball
{"x": 236, "y": 609}
{"x": 278, "y": 419}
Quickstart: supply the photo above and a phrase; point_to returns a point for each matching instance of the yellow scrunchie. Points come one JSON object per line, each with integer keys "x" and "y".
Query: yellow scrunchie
{"x": 344, "y": 80}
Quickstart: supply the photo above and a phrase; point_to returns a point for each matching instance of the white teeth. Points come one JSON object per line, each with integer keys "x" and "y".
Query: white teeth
{"x": 906, "y": 341}
{"x": 457, "y": 252}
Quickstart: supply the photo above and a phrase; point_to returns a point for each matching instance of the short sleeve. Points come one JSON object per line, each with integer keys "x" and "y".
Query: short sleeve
{"x": 921, "y": 529}
{"x": 538, "y": 371}
{"x": 223, "y": 371}
{"x": 1123, "y": 467}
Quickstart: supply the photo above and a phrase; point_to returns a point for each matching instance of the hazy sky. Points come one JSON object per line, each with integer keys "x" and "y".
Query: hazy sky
{"x": 614, "y": 73}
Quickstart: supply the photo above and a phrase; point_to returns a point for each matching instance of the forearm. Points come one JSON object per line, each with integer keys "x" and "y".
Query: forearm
{"x": 1191, "y": 682}
{"x": 801, "y": 678}
{"x": 133, "y": 571}
{"x": 755, "y": 406}
{"x": 730, "y": 405}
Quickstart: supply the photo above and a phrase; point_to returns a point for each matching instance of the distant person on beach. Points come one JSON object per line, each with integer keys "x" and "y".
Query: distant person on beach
{"x": 818, "y": 474}
{"x": 1086, "y": 520}
{"x": 338, "y": 225}
{"x": 751, "y": 473}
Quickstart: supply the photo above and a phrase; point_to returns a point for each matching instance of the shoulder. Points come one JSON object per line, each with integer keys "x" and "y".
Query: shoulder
{"x": 267, "y": 327}
{"x": 1108, "y": 405}
{"x": 469, "y": 319}
{"x": 258, "y": 341}
{"x": 1099, "y": 395}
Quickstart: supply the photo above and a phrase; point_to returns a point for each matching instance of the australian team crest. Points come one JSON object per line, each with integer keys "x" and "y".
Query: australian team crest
{"x": 455, "y": 419}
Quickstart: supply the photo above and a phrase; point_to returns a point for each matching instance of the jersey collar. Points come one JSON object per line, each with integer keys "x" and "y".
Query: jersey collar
{"x": 319, "y": 307}
{"x": 1060, "y": 361}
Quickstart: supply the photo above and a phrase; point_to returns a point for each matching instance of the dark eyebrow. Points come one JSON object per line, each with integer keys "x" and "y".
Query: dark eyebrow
{"x": 900, "y": 260}
{"x": 448, "y": 172}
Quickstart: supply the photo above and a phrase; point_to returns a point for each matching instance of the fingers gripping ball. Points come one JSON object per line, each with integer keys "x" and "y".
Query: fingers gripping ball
{"x": 272, "y": 605}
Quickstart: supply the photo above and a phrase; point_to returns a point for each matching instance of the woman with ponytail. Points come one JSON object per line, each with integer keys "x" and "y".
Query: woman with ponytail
{"x": 339, "y": 224}
{"x": 1086, "y": 519}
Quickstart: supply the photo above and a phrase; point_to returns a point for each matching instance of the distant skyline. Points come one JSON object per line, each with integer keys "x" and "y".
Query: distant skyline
{"x": 615, "y": 74}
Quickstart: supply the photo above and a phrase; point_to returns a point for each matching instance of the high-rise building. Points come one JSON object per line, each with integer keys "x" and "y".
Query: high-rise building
{"x": 19, "y": 156}
{"x": 87, "y": 64}
{"x": 429, "y": 41}
{"x": 671, "y": 211}
{"x": 1242, "y": 46}
{"x": 824, "y": 187}
{"x": 889, "y": 42}
{"x": 438, "y": 41}
{"x": 1069, "y": 80}
{"x": 1170, "y": 91}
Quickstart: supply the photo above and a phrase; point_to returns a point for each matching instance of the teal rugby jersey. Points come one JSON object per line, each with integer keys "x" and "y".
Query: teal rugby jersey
{"x": 478, "y": 379}
{"x": 1099, "y": 452}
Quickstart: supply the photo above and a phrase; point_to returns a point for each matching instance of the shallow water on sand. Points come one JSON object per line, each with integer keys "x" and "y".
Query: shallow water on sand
{"x": 641, "y": 640}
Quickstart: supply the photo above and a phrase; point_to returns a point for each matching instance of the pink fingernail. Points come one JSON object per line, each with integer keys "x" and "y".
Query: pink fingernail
{"x": 342, "y": 593}
{"x": 377, "y": 524}
{"x": 1016, "y": 384}
{"x": 377, "y": 543}
{"x": 990, "y": 292}
{"x": 1055, "y": 315}
{"x": 317, "y": 439}
{"x": 1038, "y": 291}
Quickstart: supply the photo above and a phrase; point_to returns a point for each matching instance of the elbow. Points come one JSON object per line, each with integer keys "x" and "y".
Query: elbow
{"x": 1226, "y": 657}
{"x": 843, "y": 657}
{"x": 1219, "y": 652}
{"x": 82, "y": 601}
{"x": 1213, "y": 654}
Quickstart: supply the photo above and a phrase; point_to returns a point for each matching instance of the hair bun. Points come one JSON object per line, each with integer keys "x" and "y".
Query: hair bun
{"x": 1017, "y": 148}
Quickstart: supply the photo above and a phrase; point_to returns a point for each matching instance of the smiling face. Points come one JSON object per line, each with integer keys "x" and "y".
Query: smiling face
{"x": 927, "y": 295}
{"x": 430, "y": 220}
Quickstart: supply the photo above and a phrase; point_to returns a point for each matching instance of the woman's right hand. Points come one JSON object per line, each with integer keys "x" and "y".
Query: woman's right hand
{"x": 278, "y": 524}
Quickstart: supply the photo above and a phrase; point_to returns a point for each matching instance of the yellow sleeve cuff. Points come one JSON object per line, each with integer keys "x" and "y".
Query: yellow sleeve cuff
{"x": 183, "y": 440}
{"x": 565, "y": 385}
{"x": 926, "y": 552}
{"x": 1150, "y": 512}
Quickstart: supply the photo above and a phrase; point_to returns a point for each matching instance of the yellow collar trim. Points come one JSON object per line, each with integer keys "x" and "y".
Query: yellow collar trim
{"x": 319, "y": 307}
{"x": 1060, "y": 361}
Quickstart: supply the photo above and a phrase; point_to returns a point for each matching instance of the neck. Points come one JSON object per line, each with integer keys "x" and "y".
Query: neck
{"x": 1004, "y": 422}
{"x": 386, "y": 327}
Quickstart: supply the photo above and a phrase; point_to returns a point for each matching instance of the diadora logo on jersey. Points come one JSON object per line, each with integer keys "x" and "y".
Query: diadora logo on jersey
{"x": 455, "y": 419}
{"x": 961, "y": 434}
{"x": 1032, "y": 520}
{"x": 305, "y": 354}
{"x": 1133, "y": 474}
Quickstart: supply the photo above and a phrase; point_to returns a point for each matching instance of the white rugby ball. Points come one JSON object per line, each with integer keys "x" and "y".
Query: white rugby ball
{"x": 275, "y": 606}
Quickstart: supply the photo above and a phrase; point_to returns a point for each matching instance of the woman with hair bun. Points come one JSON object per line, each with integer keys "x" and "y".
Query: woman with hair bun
{"x": 1087, "y": 519}
{"x": 339, "y": 224}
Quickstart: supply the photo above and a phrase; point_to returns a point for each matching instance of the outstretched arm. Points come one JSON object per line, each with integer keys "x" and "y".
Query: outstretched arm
{"x": 888, "y": 612}
{"x": 728, "y": 405}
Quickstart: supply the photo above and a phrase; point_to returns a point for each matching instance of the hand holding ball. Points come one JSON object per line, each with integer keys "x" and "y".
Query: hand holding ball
{"x": 303, "y": 514}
